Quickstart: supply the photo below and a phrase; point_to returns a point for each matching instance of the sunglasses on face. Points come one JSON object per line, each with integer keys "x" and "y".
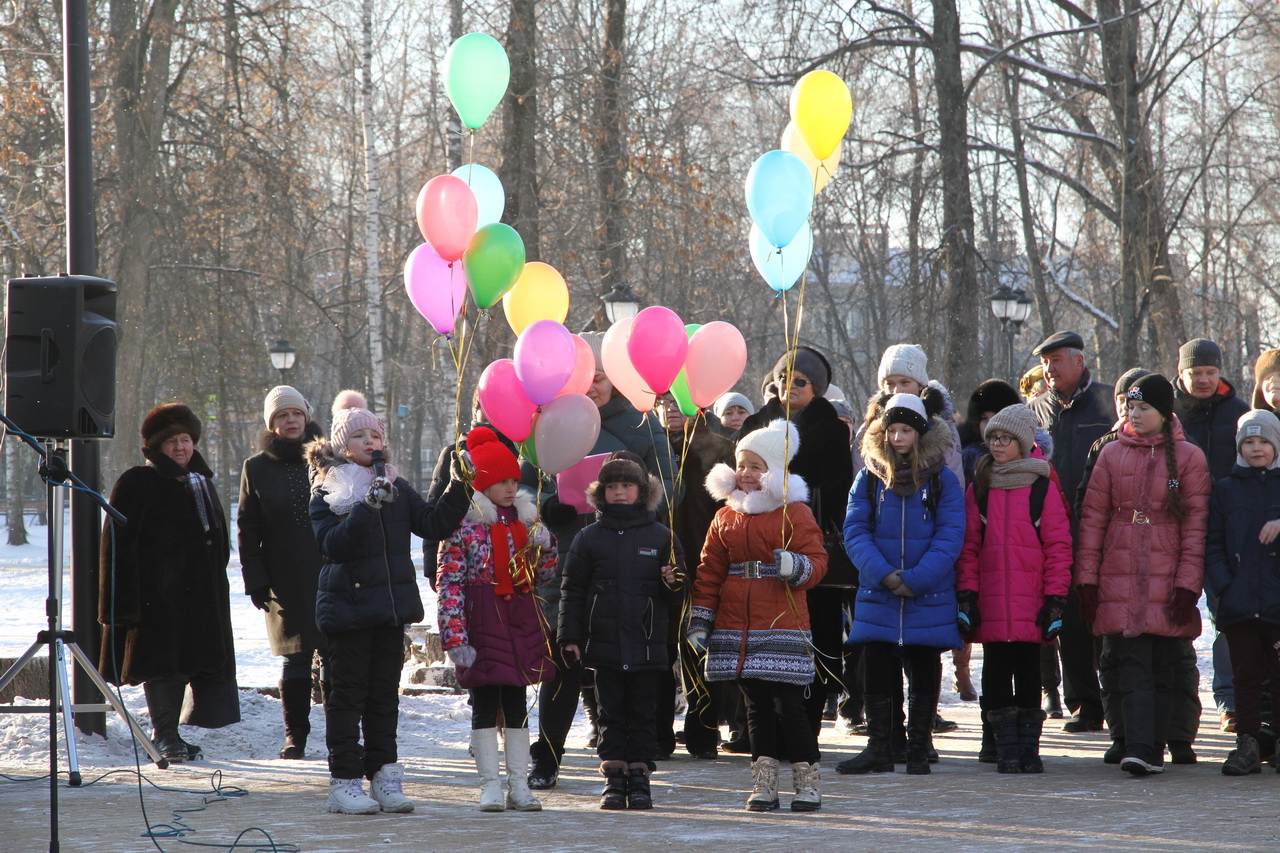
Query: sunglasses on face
{"x": 799, "y": 382}
{"x": 1000, "y": 440}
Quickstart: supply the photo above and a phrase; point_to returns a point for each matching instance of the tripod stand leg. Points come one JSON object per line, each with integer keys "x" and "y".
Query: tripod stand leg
{"x": 68, "y": 719}
{"x": 12, "y": 672}
{"x": 111, "y": 697}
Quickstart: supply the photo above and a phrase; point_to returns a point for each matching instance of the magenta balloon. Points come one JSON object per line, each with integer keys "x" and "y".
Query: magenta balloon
{"x": 503, "y": 401}
{"x": 565, "y": 431}
{"x": 437, "y": 289}
{"x": 657, "y": 347}
{"x": 544, "y": 360}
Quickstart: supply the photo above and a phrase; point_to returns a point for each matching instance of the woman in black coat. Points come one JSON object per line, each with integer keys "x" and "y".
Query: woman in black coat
{"x": 279, "y": 557}
{"x": 165, "y": 603}
{"x": 825, "y": 461}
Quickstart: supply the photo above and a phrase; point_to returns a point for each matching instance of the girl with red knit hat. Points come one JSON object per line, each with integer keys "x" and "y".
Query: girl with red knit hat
{"x": 490, "y": 622}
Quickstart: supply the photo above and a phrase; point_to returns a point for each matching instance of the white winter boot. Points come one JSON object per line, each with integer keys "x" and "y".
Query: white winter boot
{"x": 764, "y": 785}
{"x": 484, "y": 745}
{"x": 347, "y": 796}
{"x": 387, "y": 788}
{"x": 519, "y": 797}
{"x": 808, "y": 796}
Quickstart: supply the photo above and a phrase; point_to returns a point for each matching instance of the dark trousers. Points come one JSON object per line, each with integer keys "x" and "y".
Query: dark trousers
{"x": 364, "y": 693}
{"x": 884, "y": 663}
{"x": 1011, "y": 675}
{"x": 701, "y": 717}
{"x": 665, "y": 710}
{"x": 488, "y": 700}
{"x": 851, "y": 703}
{"x": 1050, "y": 672}
{"x": 1255, "y": 658}
{"x": 1080, "y": 691}
{"x": 297, "y": 666}
{"x": 1184, "y": 695}
{"x": 778, "y": 722}
{"x": 1144, "y": 669}
{"x": 627, "y": 704}
{"x": 557, "y": 706}
{"x": 826, "y": 621}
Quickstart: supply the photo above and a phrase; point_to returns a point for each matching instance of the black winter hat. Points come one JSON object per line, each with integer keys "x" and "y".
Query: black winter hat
{"x": 167, "y": 420}
{"x": 1154, "y": 390}
{"x": 623, "y": 466}
{"x": 1059, "y": 340}
{"x": 991, "y": 396}
{"x": 811, "y": 363}
{"x": 1199, "y": 352}
{"x": 1130, "y": 376}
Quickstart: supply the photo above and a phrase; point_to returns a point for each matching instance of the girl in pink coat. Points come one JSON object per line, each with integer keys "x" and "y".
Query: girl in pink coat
{"x": 1012, "y": 580}
{"x": 1140, "y": 562}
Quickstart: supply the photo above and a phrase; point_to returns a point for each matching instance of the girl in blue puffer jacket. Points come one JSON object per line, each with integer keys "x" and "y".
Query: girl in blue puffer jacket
{"x": 904, "y": 531}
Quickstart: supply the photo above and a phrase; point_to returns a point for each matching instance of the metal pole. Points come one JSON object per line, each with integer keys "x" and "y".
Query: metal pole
{"x": 53, "y": 614}
{"x": 82, "y": 259}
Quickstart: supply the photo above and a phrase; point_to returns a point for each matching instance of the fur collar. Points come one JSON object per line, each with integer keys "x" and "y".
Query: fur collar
{"x": 933, "y": 448}
{"x": 595, "y": 495}
{"x": 166, "y": 467}
{"x": 287, "y": 449}
{"x": 343, "y": 483}
{"x": 483, "y": 510}
{"x": 722, "y": 484}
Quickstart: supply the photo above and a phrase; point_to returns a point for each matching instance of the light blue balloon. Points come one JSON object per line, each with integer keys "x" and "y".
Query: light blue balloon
{"x": 781, "y": 268}
{"x": 779, "y": 195}
{"x": 491, "y": 198}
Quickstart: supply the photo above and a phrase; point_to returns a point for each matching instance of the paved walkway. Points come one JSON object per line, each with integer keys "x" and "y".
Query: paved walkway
{"x": 1078, "y": 803}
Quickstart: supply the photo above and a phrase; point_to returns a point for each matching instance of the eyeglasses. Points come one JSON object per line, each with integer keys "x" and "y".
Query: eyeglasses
{"x": 1000, "y": 439}
{"x": 799, "y": 382}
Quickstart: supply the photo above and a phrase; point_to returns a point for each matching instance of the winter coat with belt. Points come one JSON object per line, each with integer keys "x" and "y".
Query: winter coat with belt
{"x": 506, "y": 631}
{"x": 907, "y": 529}
{"x": 165, "y": 603}
{"x": 1211, "y": 424}
{"x": 1133, "y": 549}
{"x": 757, "y": 626}
{"x": 613, "y": 602}
{"x": 1240, "y": 571}
{"x": 1075, "y": 425}
{"x": 368, "y": 578}
{"x": 1010, "y": 565}
{"x": 278, "y": 549}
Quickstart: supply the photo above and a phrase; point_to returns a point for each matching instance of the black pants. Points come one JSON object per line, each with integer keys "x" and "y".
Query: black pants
{"x": 557, "y": 706}
{"x": 884, "y": 663}
{"x": 1254, "y": 659}
{"x": 1011, "y": 675}
{"x": 1080, "y": 691}
{"x": 298, "y": 666}
{"x": 701, "y": 726}
{"x": 627, "y": 705}
{"x": 1144, "y": 678}
{"x": 1050, "y": 671}
{"x": 1184, "y": 696}
{"x": 665, "y": 710}
{"x": 826, "y": 623}
{"x": 777, "y": 721}
{"x": 487, "y": 700}
{"x": 364, "y": 694}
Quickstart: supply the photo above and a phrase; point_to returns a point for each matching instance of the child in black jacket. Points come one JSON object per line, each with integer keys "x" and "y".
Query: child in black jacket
{"x": 617, "y": 581}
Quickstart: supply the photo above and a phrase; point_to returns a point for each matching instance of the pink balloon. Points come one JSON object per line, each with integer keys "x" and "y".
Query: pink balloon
{"x": 617, "y": 366}
{"x": 565, "y": 431}
{"x": 503, "y": 401}
{"x": 447, "y": 215}
{"x": 717, "y": 356}
{"x": 544, "y": 359}
{"x": 584, "y": 369}
{"x": 436, "y": 288}
{"x": 658, "y": 346}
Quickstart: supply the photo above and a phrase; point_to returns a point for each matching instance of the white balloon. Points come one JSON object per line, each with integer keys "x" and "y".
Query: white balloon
{"x": 491, "y": 198}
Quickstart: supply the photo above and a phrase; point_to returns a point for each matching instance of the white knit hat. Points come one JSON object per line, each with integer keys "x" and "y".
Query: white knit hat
{"x": 284, "y": 397}
{"x": 732, "y": 398}
{"x": 834, "y": 393}
{"x": 776, "y": 444}
{"x": 904, "y": 360}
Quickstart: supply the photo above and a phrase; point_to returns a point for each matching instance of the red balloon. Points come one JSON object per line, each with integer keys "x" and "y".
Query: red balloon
{"x": 503, "y": 401}
{"x": 447, "y": 215}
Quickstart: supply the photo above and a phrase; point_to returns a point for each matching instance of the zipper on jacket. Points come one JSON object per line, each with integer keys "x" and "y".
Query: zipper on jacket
{"x": 648, "y": 630}
{"x": 386, "y": 562}
{"x": 591, "y": 615}
{"x": 902, "y": 564}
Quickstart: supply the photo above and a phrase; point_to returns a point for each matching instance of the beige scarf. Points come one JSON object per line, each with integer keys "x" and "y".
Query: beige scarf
{"x": 1018, "y": 473}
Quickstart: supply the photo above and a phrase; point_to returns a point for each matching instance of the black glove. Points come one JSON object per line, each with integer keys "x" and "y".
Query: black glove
{"x": 967, "y": 617}
{"x": 261, "y": 598}
{"x": 1050, "y": 616}
{"x": 557, "y": 514}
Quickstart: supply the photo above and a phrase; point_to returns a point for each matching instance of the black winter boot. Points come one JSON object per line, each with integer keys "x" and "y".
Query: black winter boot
{"x": 1243, "y": 760}
{"x": 295, "y": 701}
{"x": 1053, "y": 703}
{"x": 877, "y": 757}
{"x": 1180, "y": 752}
{"x": 164, "y": 703}
{"x": 986, "y": 752}
{"x": 1004, "y": 725}
{"x": 921, "y": 714}
{"x": 545, "y": 770}
{"x": 1030, "y": 725}
{"x": 1115, "y": 752}
{"x": 614, "y": 795}
{"x": 639, "y": 795}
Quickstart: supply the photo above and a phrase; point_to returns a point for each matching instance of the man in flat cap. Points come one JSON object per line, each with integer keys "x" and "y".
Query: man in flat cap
{"x": 1076, "y": 411}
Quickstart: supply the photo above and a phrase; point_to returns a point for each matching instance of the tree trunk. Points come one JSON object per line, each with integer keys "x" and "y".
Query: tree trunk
{"x": 520, "y": 148}
{"x": 453, "y": 134}
{"x": 1035, "y": 264}
{"x": 962, "y": 297}
{"x": 377, "y": 392}
{"x": 612, "y": 162}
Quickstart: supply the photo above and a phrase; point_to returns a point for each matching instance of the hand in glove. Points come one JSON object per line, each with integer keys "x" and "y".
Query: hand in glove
{"x": 1181, "y": 610}
{"x": 557, "y": 514}
{"x": 1088, "y": 602}
{"x": 897, "y": 586}
{"x": 460, "y": 467}
{"x": 571, "y": 653}
{"x": 261, "y": 598}
{"x": 1050, "y": 616}
{"x": 698, "y": 639}
{"x": 463, "y": 656}
{"x": 381, "y": 491}
{"x": 967, "y": 617}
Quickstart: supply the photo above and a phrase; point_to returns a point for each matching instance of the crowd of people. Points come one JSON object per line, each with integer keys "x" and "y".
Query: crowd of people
{"x": 777, "y": 564}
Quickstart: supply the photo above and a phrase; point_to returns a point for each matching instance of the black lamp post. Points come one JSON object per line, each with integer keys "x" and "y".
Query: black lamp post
{"x": 282, "y": 357}
{"x": 620, "y": 303}
{"x": 1012, "y": 307}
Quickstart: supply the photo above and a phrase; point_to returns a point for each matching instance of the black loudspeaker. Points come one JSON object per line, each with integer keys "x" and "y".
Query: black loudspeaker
{"x": 60, "y": 356}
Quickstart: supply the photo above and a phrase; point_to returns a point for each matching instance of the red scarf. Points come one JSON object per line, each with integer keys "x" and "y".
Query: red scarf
{"x": 501, "y": 536}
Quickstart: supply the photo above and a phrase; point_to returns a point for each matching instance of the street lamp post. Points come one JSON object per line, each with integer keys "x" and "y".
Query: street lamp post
{"x": 282, "y": 357}
{"x": 620, "y": 303}
{"x": 1012, "y": 307}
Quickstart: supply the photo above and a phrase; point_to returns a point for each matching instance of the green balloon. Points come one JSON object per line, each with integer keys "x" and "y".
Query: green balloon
{"x": 528, "y": 452}
{"x": 476, "y": 73}
{"x": 493, "y": 262}
{"x": 680, "y": 388}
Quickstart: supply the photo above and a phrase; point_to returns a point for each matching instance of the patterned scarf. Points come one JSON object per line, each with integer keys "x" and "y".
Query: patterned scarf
{"x": 198, "y": 487}
{"x": 507, "y": 531}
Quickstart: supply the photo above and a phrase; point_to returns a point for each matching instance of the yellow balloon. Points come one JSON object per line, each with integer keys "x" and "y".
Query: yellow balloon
{"x": 822, "y": 109}
{"x": 822, "y": 171}
{"x": 539, "y": 294}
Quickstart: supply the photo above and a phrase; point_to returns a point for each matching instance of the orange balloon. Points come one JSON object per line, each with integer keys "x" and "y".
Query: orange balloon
{"x": 717, "y": 356}
{"x": 618, "y": 367}
{"x": 584, "y": 369}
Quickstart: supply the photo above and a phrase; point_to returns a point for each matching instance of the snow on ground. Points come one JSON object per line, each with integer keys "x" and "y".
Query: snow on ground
{"x": 427, "y": 723}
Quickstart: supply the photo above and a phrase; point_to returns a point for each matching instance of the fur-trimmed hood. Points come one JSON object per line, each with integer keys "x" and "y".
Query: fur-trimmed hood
{"x": 343, "y": 482}
{"x": 484, "y": 511}
{"x": 933, "y": 446}
{"x": 595, "y": 495}
{"x": 722, "y": 484}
